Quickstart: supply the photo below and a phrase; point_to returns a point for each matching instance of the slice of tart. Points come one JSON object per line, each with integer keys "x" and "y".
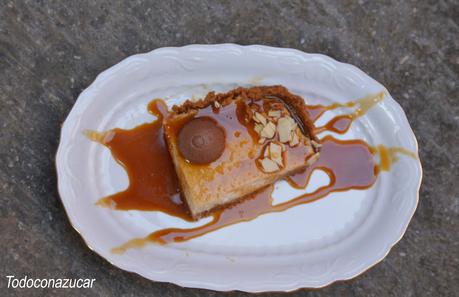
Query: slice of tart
{"x": 227, "y": 146}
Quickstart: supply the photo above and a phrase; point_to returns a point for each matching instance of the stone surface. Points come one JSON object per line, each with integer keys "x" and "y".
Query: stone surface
{"x": 50, "y": 51}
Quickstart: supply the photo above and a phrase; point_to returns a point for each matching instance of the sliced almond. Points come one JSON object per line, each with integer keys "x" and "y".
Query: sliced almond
{"x": 255, "y": 117}
{"x": 217, "y": 104}
{"x": 258, "y": 128}
{"x": 275, "y": 150}
{"x": 261, "y": 140}
{"x": 258, "y": 117}
{"x": 295, "y": 139}
{"x": 311, "y": 160}
{"x": 268, "y": 131}
{"x": 268, "y": 165}
{"x": 291, "y": 120}
{"x": 274, "y": 113}
{"x": 275, "y": 153}
{"x": 284, "y": 129}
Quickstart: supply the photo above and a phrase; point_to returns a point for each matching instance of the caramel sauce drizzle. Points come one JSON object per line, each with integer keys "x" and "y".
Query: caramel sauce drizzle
{"x": 153, "y": 185}
{"x": 142, "y": 151}
{"x": 390, "y": 155}
{"x": 340, "y": 124}
{"x": 349, "y": 165}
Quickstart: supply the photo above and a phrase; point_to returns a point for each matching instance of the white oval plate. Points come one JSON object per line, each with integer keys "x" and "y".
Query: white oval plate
{"x": 312, "y": 245}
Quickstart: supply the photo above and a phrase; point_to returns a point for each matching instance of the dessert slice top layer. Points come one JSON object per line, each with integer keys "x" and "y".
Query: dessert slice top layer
{"x": 227, "y": 146}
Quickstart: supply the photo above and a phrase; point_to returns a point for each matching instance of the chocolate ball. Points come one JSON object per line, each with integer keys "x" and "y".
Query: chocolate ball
{"x": 201, "y": 140}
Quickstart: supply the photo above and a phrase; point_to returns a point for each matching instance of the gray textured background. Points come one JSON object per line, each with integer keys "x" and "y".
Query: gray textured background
{"x": 51, "y": 51}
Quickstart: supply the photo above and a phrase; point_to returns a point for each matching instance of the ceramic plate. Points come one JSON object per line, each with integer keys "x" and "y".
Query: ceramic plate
{"x": 312, "y": 245}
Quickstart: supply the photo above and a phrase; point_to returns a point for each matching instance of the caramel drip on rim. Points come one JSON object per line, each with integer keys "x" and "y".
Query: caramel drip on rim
{"x": 389, "y": 155}
{"x": 100, "y": 137}
{"x": 341, "y": 123}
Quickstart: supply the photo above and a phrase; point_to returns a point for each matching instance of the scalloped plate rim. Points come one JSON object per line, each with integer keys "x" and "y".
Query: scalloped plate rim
{"x": 232, "y": 287}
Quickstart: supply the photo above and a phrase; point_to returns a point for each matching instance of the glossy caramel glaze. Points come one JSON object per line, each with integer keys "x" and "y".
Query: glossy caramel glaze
{"x": 236, "y": 173}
